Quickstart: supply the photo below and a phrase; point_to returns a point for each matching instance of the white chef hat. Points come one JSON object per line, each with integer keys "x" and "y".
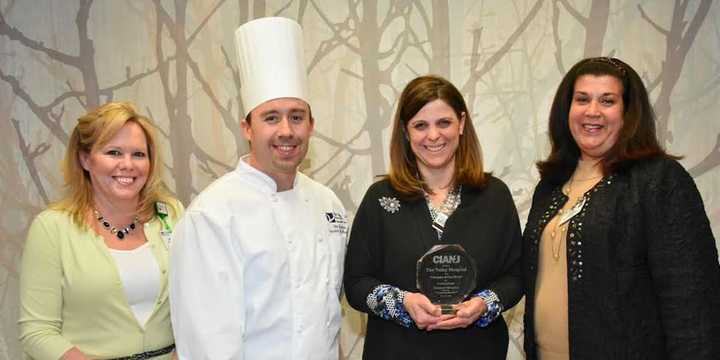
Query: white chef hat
{"x": 270, "y": 58}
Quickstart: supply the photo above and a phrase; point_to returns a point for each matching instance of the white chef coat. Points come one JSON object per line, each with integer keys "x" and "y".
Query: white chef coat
{"x": 256, "y": 273}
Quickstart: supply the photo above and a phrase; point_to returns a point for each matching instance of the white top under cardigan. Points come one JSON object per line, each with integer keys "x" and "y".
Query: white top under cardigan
{"x": 140, "y": 276}
{"x": 256, "y": 273}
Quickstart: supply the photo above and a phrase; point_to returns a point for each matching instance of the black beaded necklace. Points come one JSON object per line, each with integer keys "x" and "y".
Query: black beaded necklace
{"x": 120, "y": 233}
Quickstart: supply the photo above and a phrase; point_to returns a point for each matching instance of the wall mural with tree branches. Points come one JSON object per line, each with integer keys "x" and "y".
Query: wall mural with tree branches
{"x": 176, "y": 61}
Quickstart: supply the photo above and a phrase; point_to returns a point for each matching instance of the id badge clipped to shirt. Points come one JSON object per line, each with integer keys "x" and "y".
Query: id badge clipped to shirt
{"x": 573, "y": 211}
{"x": 166, "y": 235}
{"x": 166, "y": 231}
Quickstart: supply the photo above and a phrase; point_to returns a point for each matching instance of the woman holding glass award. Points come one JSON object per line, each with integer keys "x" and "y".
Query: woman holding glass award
{"x": 435, "y": 247}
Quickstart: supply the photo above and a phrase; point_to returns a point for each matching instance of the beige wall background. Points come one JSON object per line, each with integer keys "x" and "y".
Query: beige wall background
{"x": 176, "y": 61}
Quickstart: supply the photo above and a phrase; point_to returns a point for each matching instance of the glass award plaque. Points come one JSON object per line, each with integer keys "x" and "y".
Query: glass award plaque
{"x": 446, "y": 274}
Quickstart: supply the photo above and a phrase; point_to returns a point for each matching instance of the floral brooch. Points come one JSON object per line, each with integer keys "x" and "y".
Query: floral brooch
{"x": 390, "y": 204}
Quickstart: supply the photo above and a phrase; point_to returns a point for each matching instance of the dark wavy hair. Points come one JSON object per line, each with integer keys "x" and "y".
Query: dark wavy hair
{"x": 637, "y": 139}
{"x": 404, "y": 175}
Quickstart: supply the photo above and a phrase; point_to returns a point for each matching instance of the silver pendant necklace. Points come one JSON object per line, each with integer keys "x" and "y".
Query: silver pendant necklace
{"x": 440, "y": 215}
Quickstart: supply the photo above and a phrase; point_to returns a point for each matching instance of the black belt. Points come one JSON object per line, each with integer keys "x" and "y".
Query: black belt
{"x": 148, "y": 354}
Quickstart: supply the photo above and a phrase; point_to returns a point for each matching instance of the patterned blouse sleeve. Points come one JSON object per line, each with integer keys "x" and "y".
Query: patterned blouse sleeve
{"x": 386, "y": 301}
{"x": 494, "y": 308}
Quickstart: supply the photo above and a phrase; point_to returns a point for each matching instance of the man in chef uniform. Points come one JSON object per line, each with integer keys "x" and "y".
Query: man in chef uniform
{"x": 257, "y": 259}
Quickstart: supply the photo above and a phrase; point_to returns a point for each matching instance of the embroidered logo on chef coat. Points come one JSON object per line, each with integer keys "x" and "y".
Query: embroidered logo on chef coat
{"x": 338, "y": 222}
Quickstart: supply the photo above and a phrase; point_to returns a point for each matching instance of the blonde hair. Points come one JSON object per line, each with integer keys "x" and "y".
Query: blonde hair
{"x": 94, "y": 130}
{"x": 404, "y": 175}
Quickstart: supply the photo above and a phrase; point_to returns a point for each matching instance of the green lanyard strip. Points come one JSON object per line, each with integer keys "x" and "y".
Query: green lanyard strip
{"x": 162, "y": 213}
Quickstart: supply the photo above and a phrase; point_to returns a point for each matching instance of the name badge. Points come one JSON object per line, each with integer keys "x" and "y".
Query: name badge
{"x": 161, "y": 208}
{"x": 440, "y": 220}
{"x": 166, "y": 235}
{"x": 573, "y": 211}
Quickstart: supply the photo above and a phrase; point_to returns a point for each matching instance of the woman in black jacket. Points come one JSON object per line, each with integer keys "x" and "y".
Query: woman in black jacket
{"x": 436, "y": 194}
{"x": 619, "y": 258}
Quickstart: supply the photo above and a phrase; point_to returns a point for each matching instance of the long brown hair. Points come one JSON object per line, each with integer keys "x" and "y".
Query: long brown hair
{"x": 94, "y": 130}
{"x": 637, "y": 139}
{"x": 404, "y": 175}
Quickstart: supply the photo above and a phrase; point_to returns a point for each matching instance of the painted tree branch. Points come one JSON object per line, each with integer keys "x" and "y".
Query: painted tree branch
{"x": 285, "y": 7}
{"x": 84, "y": 62}
{"x": 203, "y": 156}
{"x": 86, "y": 56}
{"x": 29, "y": 155}
{"x": 423, "y": 14}
{"x": 234, "y": 125}
{"x": 417, "y": 44}
{"x": 556, "y": 38}
{"x": 176, "y": 102}
{"x": 439, "y": 34}
{"x": 17, "y": 35}
{"x": 231, "y": 122}
{"x": 595, "y": 24}
{"x": 437, "y": 61}
{"x": 574, "y": 13}
{"x": 477, "y": 74}
{"x": 338, "y": 29}
{"x": 40, "y": 112}
{"x": 678, "y": 41}
{"x": 259, "y": 7}
{"x": 652, "y": 23}
{"x": 369, "y": 30}
{"x": 8, "y": 8}
{"x": 711, "y": 161}
{"x": 596, "y": 28}
{"x": 106, "y": 91}
{"x": 531, "y": 53}
{"x": 339, "y": 149}
{"x": 340, "y": 170}
{"x": 156, "y": 126}
{"x": 204, "y": 22}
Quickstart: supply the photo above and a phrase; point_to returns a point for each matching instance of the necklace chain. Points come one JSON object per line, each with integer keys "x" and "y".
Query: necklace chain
{"x": 120, "y": 233}
{"x": 448, "y": 206}
{"x": 587, "y": 178}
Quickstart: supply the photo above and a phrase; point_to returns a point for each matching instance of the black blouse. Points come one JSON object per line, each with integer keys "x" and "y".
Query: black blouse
{"x": 385, "y": 246}
{"x": 643, "y": 273}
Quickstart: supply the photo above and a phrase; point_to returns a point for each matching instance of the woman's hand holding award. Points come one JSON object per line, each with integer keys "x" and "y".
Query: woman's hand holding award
{"x": 446, "y": 274}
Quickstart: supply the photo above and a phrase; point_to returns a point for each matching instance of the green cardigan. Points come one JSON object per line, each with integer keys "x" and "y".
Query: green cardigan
{"x": 71, "y": 293}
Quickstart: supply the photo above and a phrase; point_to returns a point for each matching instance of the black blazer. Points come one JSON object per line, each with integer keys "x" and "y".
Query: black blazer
{"x": 384, "y": 248}
{"x": 643, "y": 274}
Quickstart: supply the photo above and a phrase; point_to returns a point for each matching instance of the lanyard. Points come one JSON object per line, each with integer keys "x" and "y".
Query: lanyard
{"x": 162, "y": 212}
{"x": 166, "y": 233}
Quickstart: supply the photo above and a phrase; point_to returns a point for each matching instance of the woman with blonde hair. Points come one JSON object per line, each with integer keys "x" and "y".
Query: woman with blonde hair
{"x": 93, "y": 281}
